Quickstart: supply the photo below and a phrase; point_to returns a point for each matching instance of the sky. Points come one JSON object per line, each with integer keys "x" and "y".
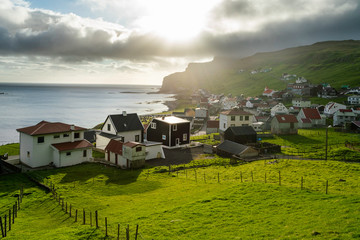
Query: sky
{"x": 142, "y": 41}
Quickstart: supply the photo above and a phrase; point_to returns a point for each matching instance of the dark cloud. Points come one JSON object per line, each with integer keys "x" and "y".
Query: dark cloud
{"x": 72, "y": 39}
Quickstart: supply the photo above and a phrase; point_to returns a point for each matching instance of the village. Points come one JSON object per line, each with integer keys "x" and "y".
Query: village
{"x": 237, "y": 125}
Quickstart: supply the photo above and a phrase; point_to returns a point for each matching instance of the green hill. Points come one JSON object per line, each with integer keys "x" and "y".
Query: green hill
{"x": 334, "y": 62}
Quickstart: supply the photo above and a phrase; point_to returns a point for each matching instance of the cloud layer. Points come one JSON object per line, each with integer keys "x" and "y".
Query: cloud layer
{"x": 232, "y": 28}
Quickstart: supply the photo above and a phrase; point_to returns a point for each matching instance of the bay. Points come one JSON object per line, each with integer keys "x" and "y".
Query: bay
{"x": 23, "y": 105}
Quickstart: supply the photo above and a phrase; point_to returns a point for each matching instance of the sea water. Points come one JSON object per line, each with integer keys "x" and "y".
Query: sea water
{"x": 23, "y": 105}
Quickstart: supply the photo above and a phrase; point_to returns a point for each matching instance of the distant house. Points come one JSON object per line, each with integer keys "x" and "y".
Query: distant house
{"x": 279, "y": 109}
{"x": 333, "y": 107}
{"x": 171, "y": 131}
{"x": 313, "y": 116}
{"x": 241, "y": 134}
{"x": 201, "y": 113}
{"x": 268, "y": 92}
{"x": 235, "y": 117}
{"x": 258, "y": 126}
{"x": 229, "y": 103}
{"x": 231, "y": 149}
{"x": 301, "y": 102}
{"x": 126, "y": 155}
{"x": 212, "y": 126}
{"x": 284, "y": 124}
{"x": 343, "y": 116}
{"x": 354, "y": 100}
{"x": 53, "y": 143}
{"x": 123, "y": 127}
{"x": 327, "y": 92}
{"x": 355, "y": 126}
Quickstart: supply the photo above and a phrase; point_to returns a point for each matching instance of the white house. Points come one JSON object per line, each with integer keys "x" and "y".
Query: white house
{"x": 229, "y": 103}
{"x": 123, "y": 127}
{"x": 125, "y": 155}
{"x": 279, "y": 109}
{"x": 235, "y": 118}
{"x": 53, "y": 143}
{"x": 343, "y": 116}
{"x": 333, "y": 107}
{"x": 301, "y": 102}
{"x": 312, "y": 115}
{"x": 201, "y": 113}
{"x": 354, "y": 100}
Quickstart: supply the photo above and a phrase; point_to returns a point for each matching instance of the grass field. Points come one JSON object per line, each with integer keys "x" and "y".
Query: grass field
{"x": 222, "y": 202}
{"x": 11, "y": 149}
{"x": 310, "y": 143}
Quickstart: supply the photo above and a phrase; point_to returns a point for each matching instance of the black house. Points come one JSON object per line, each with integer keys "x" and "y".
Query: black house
{"x": 241, "y": 134}
{"x": 171, "y": 131}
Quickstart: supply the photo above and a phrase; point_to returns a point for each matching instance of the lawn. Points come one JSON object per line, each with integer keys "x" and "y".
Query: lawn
{"x": 245, "y": 201}
{"x": 311, "y": 143}
{"x": 11, "y": 149}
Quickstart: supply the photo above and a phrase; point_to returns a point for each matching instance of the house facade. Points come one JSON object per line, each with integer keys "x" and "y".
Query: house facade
{"x": 284, "y": 124}
{"x": 301, "y": 102}
{"x": 279, "y": 109}
{"x": 53, "y": 143}
{"x": 333, "y": 107}
{"x": 123, "y": 127}
{"x": 354, "y": 100}
{"x": 212, "y": 126}
{"x": 343, "y": 116}
{"x": 312, "y": 115}
{"x": 170, "y": 130}
{"x": 234, "y": 118}
{"x": 126, "y": 155}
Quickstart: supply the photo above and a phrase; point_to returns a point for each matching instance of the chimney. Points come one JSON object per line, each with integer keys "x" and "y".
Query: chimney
{"x": 124, "y": 113}
{"x": 72, "y": 127}
{"x": 163, "y": 117}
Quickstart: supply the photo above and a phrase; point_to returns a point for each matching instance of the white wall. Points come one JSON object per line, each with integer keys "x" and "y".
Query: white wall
{"x": 26, "y": 145}
{"x": 76, "y": 157}
{"x": 223, "y": 125}
{"x": 101, "y": 142}
{"x": 154, "y": 151}
{"x": 130, "y": 136}
{"x": 105, "y": 127}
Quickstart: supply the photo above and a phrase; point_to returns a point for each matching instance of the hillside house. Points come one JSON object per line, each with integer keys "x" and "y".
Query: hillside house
{"x": 126, "y": 155}
{"x": 327, "y": 92}
{"x": 201, "y": 113}
{"x": 312, "y": 115}
{"x": 301, "y": 102}
{"x": 284, "y": 124}
{"x": 354, "y": 100}
{"x": 232, "y": 149}
{"x": 343, "y": 116}
{"x": 54, "y": 143}
{"x": 123, "y": 127}
{"x": 333, "y": 107}
{"x": 241, "y": 134}
{"x": 235, "y": 117}
{"x": 279, "y": 109}
{"x": 212, "y": 126}
{"x": 170, "y": 131}
{"x": 268, "y": 92}
{"x": 229, "y": 103}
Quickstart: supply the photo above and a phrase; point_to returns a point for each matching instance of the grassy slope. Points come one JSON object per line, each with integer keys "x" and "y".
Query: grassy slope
{"x": 176, "y": 207}
{"x": 11, "y": 149}
{"x": 337, "y": 63}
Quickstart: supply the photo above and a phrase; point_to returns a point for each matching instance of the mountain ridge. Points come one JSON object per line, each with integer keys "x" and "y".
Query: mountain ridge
{"x": 334, "y": 62}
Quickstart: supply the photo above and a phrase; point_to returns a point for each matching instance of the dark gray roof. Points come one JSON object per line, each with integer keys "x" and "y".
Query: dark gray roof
{"x": 232, "y": 147}
{"x": 108, "y": 135}
{"x": 129, "y": 122}
{"x": 242, "y": 130}
{"x": 90, "y": 135}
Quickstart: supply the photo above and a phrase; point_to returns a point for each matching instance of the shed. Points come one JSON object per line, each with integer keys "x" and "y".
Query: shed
{"x": 241, "y": 134}
{"x": 230, "y": 149}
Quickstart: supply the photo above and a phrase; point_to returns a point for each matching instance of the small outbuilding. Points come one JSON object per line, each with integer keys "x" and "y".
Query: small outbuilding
{"x": 241, "y": 134}
{"x": 231, "y": 149}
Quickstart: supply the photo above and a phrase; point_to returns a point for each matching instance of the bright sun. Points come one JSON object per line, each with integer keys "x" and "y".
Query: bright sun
{"x": 176, "y": 20}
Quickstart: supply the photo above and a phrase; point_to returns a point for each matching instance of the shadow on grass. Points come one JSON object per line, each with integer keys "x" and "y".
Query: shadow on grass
{"x": 299, "y": 139}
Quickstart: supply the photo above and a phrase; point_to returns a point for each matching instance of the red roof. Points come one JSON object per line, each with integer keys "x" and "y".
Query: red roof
{"x": 268, "y": 91}
{"x": 236, "y": 112}
{"x": 311, "y": 113}
{"x": 132, "y": 144}
{"x": 114, "y": 146}
{"x": 45, "y": 127}
{"x": 286, "y": 118}
{"x": 212, "y": 124}
{"x": 306, "y": 120}
{"x": 66, "y": 146}
{"x": 345, "y": 110}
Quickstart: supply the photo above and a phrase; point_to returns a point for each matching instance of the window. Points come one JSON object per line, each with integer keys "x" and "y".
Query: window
{"x": 163, "y": 137}
{"x": 68, "y": 153}
{"x": 66, "y": 135}
{"x": 241, "y": 118}
{"x": 224, "y": 125}
{"x": 41, "y": 139}
{"x": 28, "y": 154}
{"x": 138, "y": 149}
{"x": 109, "y": 127}
{"x": 56, "y": 136}
{"x": 246, "y": 118}
{"x": 77, "y": 135}
{"x": 84, "y": 153}
{"x": 174, "y": 127}
{"x": 137, "y": 138}
{"x": 153, "y": 125}
{"x": 232, "y": 118}
{"x": 185, "y": 137}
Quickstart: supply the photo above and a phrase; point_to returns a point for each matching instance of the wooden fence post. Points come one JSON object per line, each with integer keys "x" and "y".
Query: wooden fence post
{"x": 127, "y": 233}
{"x": 96, "y": 219}
{"x": 90, "y": 218}
{"x": 18, "y": 197}
{"x": 66, "y": 208}
{"x": 16, "y": 208}
{"x": 241, "y": 177}
{"x": 13, "y": 216}
{"x": 106, "y": 230}
{"x": 118, "y": 232}
{"x": 2, "y": 228}
{"x": 136, "y": 233}
{"x": 252, "y": 176}
{"x": 83, "y": 216}
{"x": 9, "y": 219}
{"x": 279, "y": 178}
{"x": 326, "y": 187}
{"x": 70, "y": 210}
{"x": 169, "y": 169}
{"x": 76, "y": 215}
{"x": 5, "y": 224}
{"x": 265, "y": 177}
{"x": 204, "y": 178}
{"x": 302, "y": 183}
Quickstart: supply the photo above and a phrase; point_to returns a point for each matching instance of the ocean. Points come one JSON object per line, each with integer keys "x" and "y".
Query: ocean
{"x": 23, "y": 105}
